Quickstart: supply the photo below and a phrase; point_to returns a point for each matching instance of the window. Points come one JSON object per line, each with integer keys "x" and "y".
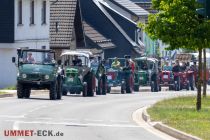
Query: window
{"x": 44, "y": 12}
{"x": 20, "y": 12}
{"x": 32, "y": 12}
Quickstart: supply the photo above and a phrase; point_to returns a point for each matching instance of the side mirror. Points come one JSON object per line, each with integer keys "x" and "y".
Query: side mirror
{"x": 13, "y": 59}
{"x": 18, "y": 51}
{"x": 59, "y": 62}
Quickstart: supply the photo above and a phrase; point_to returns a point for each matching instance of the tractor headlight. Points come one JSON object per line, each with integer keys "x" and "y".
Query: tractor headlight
{"x": 18, "y": 74}
{"x": 100, "y": 74}
{"x": 24, "y": 76}
{"x": 47, "y": 77}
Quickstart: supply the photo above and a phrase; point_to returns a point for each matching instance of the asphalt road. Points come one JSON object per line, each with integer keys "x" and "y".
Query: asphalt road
{"x": 80, "y": 118}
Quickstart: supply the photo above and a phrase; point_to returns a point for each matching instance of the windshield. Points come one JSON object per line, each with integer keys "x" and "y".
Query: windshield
{"x": 145, "y": 65}
{"x": 74, "y": 60}
{"x": 31, "y": 57}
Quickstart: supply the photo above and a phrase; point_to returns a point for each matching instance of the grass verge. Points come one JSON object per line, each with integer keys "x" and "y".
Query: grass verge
{"x": 10, "y": 88}
{"x": 2, "y": 93}
{"x": 180, "y": 113}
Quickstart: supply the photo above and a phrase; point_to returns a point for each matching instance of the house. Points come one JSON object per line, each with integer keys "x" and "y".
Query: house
{"x": 66, "y": 31}
{"x": 23, "y": 24}
{"x": 108, "y": 28}
{"x": 117, "y": 23}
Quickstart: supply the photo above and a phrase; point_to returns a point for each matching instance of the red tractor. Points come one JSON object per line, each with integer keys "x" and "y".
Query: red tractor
{"x": 166, "y": 79}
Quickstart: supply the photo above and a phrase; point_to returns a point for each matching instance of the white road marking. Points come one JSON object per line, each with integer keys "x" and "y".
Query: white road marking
{"x": 43, "y": 118}
{"x": 118, "y": 121}
{"x": 92, "y": 120}
{"x": 8, "y": 116}
{"x": 78, "y": 124}
{"x": 15, "y": 125}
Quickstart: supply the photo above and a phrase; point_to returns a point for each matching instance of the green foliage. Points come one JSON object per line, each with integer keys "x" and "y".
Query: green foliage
{"x": 177, "y": 24}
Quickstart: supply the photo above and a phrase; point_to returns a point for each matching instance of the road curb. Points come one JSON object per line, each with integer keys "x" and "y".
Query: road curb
{"x": 166, "y": 129}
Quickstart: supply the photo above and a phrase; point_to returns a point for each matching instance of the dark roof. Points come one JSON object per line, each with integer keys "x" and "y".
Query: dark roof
{"x": 97, "y": 37}
{"x": 130, "y": 7}
{"x": 62, "y": 12}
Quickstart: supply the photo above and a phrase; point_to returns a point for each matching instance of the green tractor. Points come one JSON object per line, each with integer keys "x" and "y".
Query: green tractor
{"x": 79, "y": 77}
{"x": 146, "y": 73}
{"x": 37, "y": 69}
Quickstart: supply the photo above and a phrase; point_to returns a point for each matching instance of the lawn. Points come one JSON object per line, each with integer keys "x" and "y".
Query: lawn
{"x": 2, "y": 93}
{"x": 181, "y": 114}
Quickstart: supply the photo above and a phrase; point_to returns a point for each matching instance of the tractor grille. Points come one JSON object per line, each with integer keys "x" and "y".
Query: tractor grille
{"x": 35, "y": 77}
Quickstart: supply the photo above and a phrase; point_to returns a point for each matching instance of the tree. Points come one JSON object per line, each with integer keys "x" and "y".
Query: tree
{"x": 178, "y": 24}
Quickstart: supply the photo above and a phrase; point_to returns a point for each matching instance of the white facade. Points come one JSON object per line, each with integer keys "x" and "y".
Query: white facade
{"x": 34, "y": 36}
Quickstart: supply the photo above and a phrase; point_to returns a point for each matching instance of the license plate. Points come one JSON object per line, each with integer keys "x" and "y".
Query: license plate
{"x": 141, "y": 78}
{"x": 110, "y": 85}
{"x": 165, "y": 76}
{"x": 70, "y": 79}
{"x": 109, "y": 77}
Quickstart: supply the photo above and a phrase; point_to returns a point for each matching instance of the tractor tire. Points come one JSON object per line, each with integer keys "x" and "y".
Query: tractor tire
{"x": 152, "y": 88}
{"x": 136, "y": 87}
{"x": 84, "y": 91}
{"x": 60, "y": 89}
{"x": 176, "y": 87}
{"x": 20, "y": 90}
{"x": 98, "y": 88}
{"x": 90, "y": 92}
{"x": 170, "y": 87}
{"x": 128, "y": 87}
{"x": 108, "y": 89}
{"x": 53, "y": 90}
{"x": 123, "y": 88}
{"x": 27, "y": 92}
{"x": 64, "y": 93}
{"x": 103, "y": 80}
{"x": 188, "y": 86}
{"x": 159, "y": 88}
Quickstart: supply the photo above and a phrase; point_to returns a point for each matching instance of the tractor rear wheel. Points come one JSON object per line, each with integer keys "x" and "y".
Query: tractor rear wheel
{"x": 84, "y": 92}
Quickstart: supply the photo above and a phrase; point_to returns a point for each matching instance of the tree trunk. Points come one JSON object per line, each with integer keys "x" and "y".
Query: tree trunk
{"x": 204, "y": 73}
{"x": 198, "y": 103}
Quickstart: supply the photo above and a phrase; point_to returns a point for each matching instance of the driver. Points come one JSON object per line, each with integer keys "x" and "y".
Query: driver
{"x": 116, "y": 63}
{"x": 30, "y": 58}
{"x": 77, "y": 61}
{"x": 49, "y": 58}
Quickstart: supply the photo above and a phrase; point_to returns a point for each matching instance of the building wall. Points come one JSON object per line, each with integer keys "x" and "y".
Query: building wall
{"x": 7, "y": 51}
{"x": 7, "y": 21}
{"x": 25, "y": 36}
{"x": 27, "y": 31}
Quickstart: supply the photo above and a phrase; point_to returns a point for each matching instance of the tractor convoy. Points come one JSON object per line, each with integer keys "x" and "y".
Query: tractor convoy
{"x": 81, "y": 73}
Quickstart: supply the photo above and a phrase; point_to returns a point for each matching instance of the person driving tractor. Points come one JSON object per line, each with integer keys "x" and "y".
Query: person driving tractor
{"x": 166, "y": 67}
{"x": 116, "y": 63}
